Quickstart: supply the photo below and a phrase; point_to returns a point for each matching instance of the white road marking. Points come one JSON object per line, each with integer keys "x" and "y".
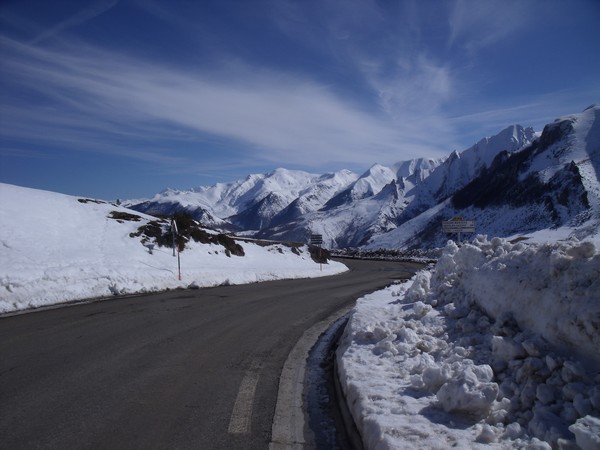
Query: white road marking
{"x": 288, "y": 430}
{"x": 242, "y": 409}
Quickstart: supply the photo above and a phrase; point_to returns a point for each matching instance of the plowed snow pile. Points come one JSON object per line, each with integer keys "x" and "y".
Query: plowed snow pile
{"x": 498, "y": 346}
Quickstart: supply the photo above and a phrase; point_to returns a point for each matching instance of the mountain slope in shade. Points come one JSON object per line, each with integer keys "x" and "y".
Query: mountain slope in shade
{"x": 315, "y": 197}
{"x": 456, "y": 171}
{"x": 369, "y": 184}
{"x": 171, "y": 202}
{"x": 552, "y": 184}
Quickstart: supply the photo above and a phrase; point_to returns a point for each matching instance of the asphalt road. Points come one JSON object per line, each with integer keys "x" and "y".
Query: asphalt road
{"x": 182, "y": 369}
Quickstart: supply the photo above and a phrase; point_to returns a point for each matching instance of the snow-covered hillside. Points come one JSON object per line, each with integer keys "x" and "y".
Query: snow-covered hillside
{"x": 495, "y": 347}
{"x": 57, "y": 248}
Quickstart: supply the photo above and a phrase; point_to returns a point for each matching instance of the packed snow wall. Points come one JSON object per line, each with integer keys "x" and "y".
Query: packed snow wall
{"x": 552, "y": 290}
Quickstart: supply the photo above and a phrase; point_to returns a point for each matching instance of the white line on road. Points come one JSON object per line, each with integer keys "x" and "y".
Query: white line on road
{"x": 288, "y": 430}
{"x": 242, "y": 409}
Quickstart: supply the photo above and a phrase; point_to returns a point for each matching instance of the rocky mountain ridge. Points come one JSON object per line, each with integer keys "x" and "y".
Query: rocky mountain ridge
{"x": 517, "y": 181}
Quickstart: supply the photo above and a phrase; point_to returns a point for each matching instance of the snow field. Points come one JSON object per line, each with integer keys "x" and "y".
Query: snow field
{"x": 57, "y": 248}
{"x": 495, "y": 347}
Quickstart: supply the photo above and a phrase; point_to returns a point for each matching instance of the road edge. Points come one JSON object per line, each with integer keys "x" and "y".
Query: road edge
{"x": 288, "y": 430}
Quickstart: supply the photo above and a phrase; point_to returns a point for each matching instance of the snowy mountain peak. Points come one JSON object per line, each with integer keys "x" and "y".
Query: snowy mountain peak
{"x": 550, "y": 177}
{"x": 510, "y": 139}
{"x": 572, "y": 139}
{"x": 374, "y": 179}
{"x": 367, "y": 185}
{"x": 416, "y": 170}
{"x": 456, "y": 171}
{"x": 405, "y": 169}
{"x": 285, "y": 178}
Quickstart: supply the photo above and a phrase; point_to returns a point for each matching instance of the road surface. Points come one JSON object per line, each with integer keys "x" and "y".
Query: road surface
{"x": 182, "y": 369}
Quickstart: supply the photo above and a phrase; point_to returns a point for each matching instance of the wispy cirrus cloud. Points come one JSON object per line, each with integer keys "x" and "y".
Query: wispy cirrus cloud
{"x": 102, "y": 100}
{"x": 395, "y": 68}
{"x": 85, "y": 95}
{"x": 475, "y": 25}
{"x": 225, "y": 88}
{"x": 376, "y": 82}
{"x": 85, "y": 14}
{"x": 535, "y": 111}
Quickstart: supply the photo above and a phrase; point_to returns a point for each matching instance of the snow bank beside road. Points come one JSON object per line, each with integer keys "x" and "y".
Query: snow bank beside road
{"x": 550, "y": 290}
{"x": 56, "y": 248}
{"x": 496, "y": 347}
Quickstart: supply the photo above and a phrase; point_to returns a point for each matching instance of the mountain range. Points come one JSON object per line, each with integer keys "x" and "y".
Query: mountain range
{"x": 516, "y": 182}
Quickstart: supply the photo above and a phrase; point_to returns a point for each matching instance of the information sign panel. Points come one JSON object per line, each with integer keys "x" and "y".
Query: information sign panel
{"x": 458, "y": 226}
{"x": 316, "y": 239}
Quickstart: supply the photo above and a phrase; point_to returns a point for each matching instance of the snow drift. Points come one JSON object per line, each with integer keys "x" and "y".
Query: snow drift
{"x": 495, "y": 347}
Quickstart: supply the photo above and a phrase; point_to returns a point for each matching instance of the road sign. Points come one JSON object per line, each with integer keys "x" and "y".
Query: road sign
{"x": 458, "y": 226}
{"x": 316, "y": 239}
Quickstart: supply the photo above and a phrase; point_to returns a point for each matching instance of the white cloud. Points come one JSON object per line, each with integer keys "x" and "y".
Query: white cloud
{"x": 396, "y": 86}
{"x": 382, "y": 47}
{"x": 413, "y": 86}
{"x": 277, "y": 117}
{"x": 478, "y": 24}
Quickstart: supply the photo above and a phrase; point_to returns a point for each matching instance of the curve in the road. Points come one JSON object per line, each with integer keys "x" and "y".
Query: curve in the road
{"x": 181, "y": 369}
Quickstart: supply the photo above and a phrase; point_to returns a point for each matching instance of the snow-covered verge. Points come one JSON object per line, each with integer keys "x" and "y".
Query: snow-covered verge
{"x": 57, "y": 248}
{"x": 496, "y": 347}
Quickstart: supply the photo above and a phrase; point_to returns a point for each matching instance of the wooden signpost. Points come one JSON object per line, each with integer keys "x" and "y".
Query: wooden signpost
{"x": 175, "y": 232}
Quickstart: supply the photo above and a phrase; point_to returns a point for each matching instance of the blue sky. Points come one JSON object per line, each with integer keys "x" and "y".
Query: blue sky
{"x": 122, "y": 98}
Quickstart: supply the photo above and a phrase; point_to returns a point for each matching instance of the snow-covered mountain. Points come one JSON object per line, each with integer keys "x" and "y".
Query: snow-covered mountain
{"x": 462, "y": 167}
{"x": 552, "y": 183}
{"x": 385, "y": 197}
{"x": 515, "y": 182}
{"x": 316, "y": 196}
{"x": 251, "y": 203}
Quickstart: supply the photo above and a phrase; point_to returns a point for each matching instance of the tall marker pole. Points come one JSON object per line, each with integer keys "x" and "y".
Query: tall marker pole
{"x": 178, "y": 264}
{"x": 175, "y": 232}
